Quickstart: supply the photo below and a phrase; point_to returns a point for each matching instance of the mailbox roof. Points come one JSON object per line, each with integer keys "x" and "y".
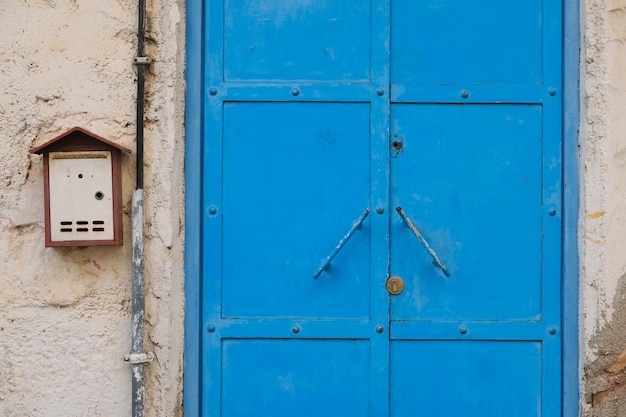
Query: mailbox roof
{"x": 77, "y": 137}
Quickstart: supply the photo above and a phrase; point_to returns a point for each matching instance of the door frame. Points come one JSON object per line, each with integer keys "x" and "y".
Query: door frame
{"x": 194, "y": 130}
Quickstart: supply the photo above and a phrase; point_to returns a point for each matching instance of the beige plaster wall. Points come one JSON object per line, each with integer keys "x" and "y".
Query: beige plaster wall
{"x": 603, "y": 216}
{"x": 64, "y": 313}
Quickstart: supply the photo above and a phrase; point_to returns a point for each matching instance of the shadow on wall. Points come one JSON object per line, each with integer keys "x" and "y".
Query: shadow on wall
{"x": 606, "y": 376}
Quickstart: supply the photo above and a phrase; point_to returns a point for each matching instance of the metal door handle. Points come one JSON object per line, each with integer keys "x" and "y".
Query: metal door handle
{"x": 423, "y": 241}
{"x": 341, "y": 243}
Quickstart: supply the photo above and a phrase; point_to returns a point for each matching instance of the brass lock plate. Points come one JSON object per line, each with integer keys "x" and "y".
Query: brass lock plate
{"x": 395, "y": 285}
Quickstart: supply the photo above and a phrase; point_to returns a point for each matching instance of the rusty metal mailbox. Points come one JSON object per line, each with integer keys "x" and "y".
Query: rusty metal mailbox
{"x": 82, "y": 189}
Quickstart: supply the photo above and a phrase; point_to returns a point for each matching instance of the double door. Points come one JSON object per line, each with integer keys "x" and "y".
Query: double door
{"x": 382, "y": 197}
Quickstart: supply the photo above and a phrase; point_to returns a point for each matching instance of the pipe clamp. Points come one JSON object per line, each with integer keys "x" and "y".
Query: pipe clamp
{"x": 142, "y": 60}
{"x": 135, "y": 358}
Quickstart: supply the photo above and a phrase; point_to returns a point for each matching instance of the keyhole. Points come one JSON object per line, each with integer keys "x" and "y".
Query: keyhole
{"x": 394, "y": 285}
{"x": 397, "y": 145}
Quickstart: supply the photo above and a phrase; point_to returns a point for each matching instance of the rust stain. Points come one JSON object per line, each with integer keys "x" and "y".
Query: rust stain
{"x": 596, "y": 215}
{"x": 596, "y": 241}
{"x": 97, "y": 265}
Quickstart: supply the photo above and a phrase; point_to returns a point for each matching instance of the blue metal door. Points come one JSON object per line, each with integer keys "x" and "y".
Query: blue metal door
{"x": 382, "y": 205}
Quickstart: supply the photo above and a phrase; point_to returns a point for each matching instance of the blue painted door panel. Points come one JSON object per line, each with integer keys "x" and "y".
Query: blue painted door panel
{"x": 284, "y": 171}
{"x": 320, "y": 113}
{"x": 462, "y": 378}
{"x": 474, "y": 189}
{"x": 467, "y": 41}
{"x": 267, "y": 378}
{"x": 296, "y": 40}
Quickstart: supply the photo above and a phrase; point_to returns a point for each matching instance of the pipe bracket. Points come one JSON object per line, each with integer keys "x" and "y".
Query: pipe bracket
{"x": 136, "y": 358}
{"x": 142, "y": 60}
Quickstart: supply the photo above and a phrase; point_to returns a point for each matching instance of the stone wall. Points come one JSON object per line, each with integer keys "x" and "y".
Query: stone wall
{"x": 64, "y": 312}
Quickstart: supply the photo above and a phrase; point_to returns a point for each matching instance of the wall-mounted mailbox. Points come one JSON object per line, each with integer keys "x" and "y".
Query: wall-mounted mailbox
{"x": 82, "y": 189}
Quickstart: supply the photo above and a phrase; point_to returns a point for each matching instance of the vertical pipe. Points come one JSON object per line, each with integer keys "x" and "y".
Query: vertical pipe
{"x": 137, "y": 286}
{"x": 141, "y": 35}
{"x": 138, "y": 304}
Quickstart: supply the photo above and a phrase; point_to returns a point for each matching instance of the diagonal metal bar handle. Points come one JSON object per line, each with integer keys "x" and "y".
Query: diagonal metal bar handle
{"x": 423, "y": 241}
{"x": 341, "y": 243}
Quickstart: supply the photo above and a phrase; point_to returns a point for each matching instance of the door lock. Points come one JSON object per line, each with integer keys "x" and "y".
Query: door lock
{"x": 395, "y": 285}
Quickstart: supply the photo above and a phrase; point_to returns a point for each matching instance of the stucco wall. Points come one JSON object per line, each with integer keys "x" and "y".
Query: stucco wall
{"x": 603, "y": 230}
{"x": 64, "y": 313}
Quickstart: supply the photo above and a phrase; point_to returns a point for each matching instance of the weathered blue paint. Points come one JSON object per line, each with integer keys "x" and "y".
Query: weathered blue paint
{"x": 193, "y": 205}
{"x": 290, "y": 231}
{"x": 296, "y": 377}
{"x": 341, "y": 243}
{"x": 461, "y": 378}
{"x": 483, "y": 213}
{"x": 571, "y": 198}
{"x": 480, "y": 114}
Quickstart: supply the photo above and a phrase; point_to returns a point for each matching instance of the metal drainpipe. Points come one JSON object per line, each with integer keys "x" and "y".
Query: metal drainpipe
{"x": 137, "y": 357}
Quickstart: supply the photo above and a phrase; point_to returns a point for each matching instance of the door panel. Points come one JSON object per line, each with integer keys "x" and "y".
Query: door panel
{"x": 268, "y": 378}
{"x": 461, "y": 378}
{"x": 466, "y": 41}
{"x": 470, "y": 177}
{"x": 297, "y": 40}
{"x": 289, "y": 196}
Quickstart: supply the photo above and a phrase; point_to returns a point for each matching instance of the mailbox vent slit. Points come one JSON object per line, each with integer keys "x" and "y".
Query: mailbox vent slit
{"x": 97, "y": 226}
